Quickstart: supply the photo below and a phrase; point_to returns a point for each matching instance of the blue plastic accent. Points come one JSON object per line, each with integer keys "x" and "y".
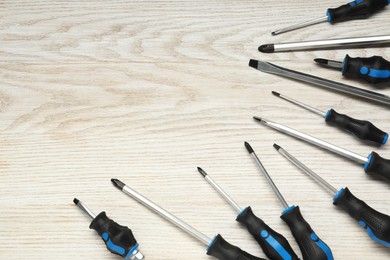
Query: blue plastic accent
{"x": 327, "y": 114}
{"x": 364, "y": 70}
{"x": 354, "y": 3}
{"x": 275, "y": 245}
{"x": 242, "y": 211}
{"x": 345, "y": 64}
{"x": 131, "y": 251}
{"x": 288, "y": 209}
{"x": 322, "y": 245}
{"x": 372, "y": 235}
{"x": 368, "y": 162}
{"x": 330, "y": 18}
{"x": 341, "y": 191}
{"x": 112, "y": 246}
{"x": 211, "y": 243}
{"x": 379, "y": 74}
{"x": 388, "y": 3}
{"x": 386, "y": 136}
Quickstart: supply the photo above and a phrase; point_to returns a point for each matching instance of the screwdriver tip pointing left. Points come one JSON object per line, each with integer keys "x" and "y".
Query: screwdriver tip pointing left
{"x": 76, "y": 201}
{"x": 117, "y": 183}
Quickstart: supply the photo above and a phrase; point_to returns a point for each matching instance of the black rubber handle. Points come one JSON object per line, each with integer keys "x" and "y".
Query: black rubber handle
{"x": 359, "y": 9}
{"x": 364, "y": 130}
{"x": 312, "y": 247}
{"x": 221, "y": 249}
{"x": 274, "y": 245}
{"x": 378, "y": 166}
{"x": 118, "y": 239}
{"x": 375, "y": 223}
{"x": 374, "y": 69}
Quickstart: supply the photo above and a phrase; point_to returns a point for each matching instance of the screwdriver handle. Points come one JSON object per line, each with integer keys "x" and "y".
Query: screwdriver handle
{"x": 221, "y": 249}
{"x": 312, "y": 247}
{"x": 359, "y": 9}
{"x": 274, "y": 245}
{"x": 364, "y": 130}
{"x": 378, "y": 166}
{"x": 375, "y": 223}
{"x": 119, "y": 239}
{"x": 373, "y": 70}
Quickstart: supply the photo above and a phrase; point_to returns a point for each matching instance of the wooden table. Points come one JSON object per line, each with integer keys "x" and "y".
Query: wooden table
{"x": 146, "y": 91}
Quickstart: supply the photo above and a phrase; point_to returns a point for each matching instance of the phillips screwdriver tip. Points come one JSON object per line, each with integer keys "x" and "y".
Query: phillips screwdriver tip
{"x": 117, "y": 183}
{"x": 276, "y": 93}
{"x": 267, "y": 48}
{"x": 76, "y": 201}
{"x": 253, "y": 63}
{"x": 257, "y": 118}
{"x": 201, "y": 171}
{"x": 248, "y": 147}
{"x": 277, "y": 147}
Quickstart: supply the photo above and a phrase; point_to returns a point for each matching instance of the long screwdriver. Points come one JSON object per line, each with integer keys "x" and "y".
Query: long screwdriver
{"x": 273, "y": 69}
{"x": 374, "y": 70}
{"x": 358, "y": 9}
{"x": 375, "y": 223}
{"x": 274, "y": 245}
{"x": 363, "y": 130}
{"x": 373, "y": 164}
{"x": 312, "y": 247}
{"x": 119, "y": 239}
{"x": 217, "y": 247}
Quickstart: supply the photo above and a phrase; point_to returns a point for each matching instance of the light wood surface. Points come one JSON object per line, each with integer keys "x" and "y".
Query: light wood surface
{"x": 146, "y": 91}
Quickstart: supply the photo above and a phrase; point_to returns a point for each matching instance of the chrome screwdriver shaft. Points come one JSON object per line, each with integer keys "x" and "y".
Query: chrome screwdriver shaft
{"x": 301, "y": 25}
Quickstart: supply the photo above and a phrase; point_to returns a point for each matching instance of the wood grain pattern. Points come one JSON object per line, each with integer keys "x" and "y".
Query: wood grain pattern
{"x": 146, "y": 91}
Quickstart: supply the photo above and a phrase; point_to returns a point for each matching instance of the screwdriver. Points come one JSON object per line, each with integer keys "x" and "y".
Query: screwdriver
{"x": 373, "y": 70}
{"x": 375, "y": 223}
{"x": 373, "y": 164}
{"x": 364, "y": 130}
{"x": 359, "y": 9}
{"x": 274, "y": 245}
{"x": 217, "y": 247}
{"x": 312, "y": 247}
{"x": 119, "y": 239}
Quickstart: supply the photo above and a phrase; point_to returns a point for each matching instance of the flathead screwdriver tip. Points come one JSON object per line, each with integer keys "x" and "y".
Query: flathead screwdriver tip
{"x": 276, "y": 93}
{"x": 117, "y": 183}
{"x": 321, "y": 61}
{"x": 76, "y": 201}
{"x": 253, "y": 63}
{"x": 248, "y": 147}
{"x": 257, "y": 118}
{"x": 277, "y": 147}
{"x": 201, "y": 171}
{"x": 267, "y": 48}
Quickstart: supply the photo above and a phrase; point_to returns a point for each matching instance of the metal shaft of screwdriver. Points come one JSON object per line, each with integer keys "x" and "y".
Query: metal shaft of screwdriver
{"x": 308, "y": 171}
{"x": 223, "y": 193}
{"x": 273, "y": 69}
{"x": 310, "y": 139}
{"x": 270, "y": 181}
{"x": 307, "y": 107}
{"x": 301, "y": 25}
{"x": 86, "y": 209}
{"x": 333, "y": 43}
{"x": 168, "y": 216}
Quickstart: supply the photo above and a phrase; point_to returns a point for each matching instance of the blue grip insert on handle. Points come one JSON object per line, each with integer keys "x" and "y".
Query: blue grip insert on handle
{"x": 275, "y": 245}
{"x": 373, "y": 73}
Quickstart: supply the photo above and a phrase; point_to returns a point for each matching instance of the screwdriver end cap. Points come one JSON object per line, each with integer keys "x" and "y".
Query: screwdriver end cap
{"x": 76, "y": 201}
{"x": 248, "y": 147}
{"x": 277, "y": 147}
{"x": 201, "y": 171}
{"x": 267, "y": 48}
{"x": 253, "y": 63}
{"x": 117, "y": 183}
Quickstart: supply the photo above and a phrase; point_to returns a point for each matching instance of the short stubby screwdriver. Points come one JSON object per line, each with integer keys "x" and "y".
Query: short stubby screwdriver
{"x": 312, "y": 247}
{"x": 362, "y": 129}
{"x": 374, "y": 70}
{"x": 358, "y": 9}
{"x": 374, "y": 164}
{"x": 274, "y": 245}
{"x": 217, "y": 247}
{"x": 119, "y": 239}
{"x": 375, "y": 223}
